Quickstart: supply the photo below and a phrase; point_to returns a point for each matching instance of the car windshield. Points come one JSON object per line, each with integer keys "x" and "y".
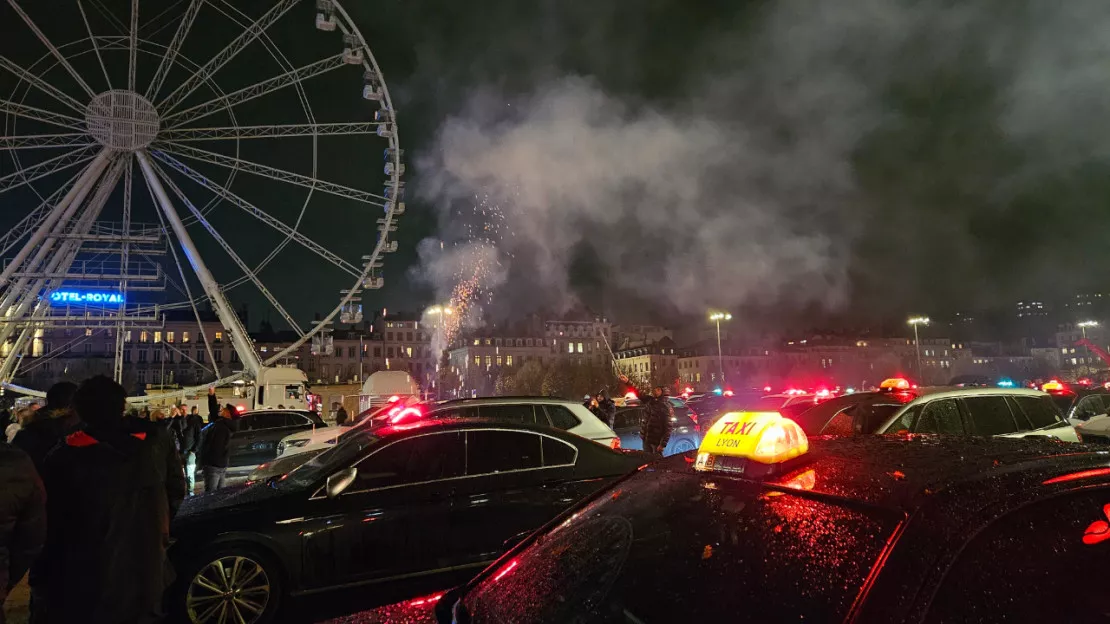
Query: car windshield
{"x": 663, "y": 547}
{"x": 319, "y": 467}
{"x": 1063, "y": 401}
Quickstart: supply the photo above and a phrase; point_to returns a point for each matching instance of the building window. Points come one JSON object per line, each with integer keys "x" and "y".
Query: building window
{"x": 377, "y": 352}
{"x": 497, "y": 342}
{"x": 528, "y": 342}
{"x": 234, "y": 356}
{"x": 499, "y": 360}
{"x": 488, "y": 342}
{"x": 143, "y": 336}
{"x": 570, "y": 347}
{"x": 127, "y": 336}
{"x": 408, "y": 336}
{"x": 185, "y": 336}
{"x": 477, "y": 341}
{"x": 142, "y": 355}
{"x": 264, "y": 349}
{"x": 157, "y": 355}
{"x": 389, "y": 352}
{"x": 477, "y": 360}
{"x": 489, "y": 362}
{"x": 508, "y": 360}
{"x": 218, "y": 354}
{"x": 408, "y": 351}
{"x": 88, "y": 348}
{"x": 169, "y": 357}
{"x": 580, "y": 347}
{"x": 127, "y": 356}
{"x": 389, "y": 335}
{"x": 157, "y": 337}
{"x": 169, "y": 337}
{"x": 200, "y": 356}
{"x": 141, "y": 376}
{"x": 88, "y": 332}
{"x": 350, "y": 352}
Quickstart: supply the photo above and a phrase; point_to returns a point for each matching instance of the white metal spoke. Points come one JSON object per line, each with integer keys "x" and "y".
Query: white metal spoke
{"x": 145, "y": 30}
{"x": 254, "y": 91}
{"x": 53, "y": 50}
{"x": 95, "y": 45}
{"x": 267, "y": 132}
{"x": 223, "y": 309}
{"x": 134, "y": 45}
{"x": 108, "y": 15}
{"x": 223, "y": 56}
{"x": 231, "y": 252}
{"x": 166, "y": 64}
{"x": 42, "y": 85}
{"x": 258, "y": 213}
{"x": 41, "y": 141}
{"x": 45, "y": 116}
{"x": 41, "y": 170}
{"x": 125, "y": 259}
{"x": 34, "y": 219}
{"x": 273, "y": 173}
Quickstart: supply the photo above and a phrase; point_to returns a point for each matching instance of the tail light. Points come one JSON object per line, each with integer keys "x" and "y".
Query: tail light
{"x": 615, "y": 443}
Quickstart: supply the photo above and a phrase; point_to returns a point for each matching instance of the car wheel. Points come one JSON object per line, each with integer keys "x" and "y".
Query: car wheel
{"x": 683, "y": 446}
{"x": 232, "y": 584}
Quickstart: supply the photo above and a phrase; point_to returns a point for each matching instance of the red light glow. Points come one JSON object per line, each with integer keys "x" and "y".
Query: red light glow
{"x": 1075, "y": 476}
{"x": 394, "y": 399}
{"x": 506, "y": 570}
{"x": 728, "y": 392}
{"x": 240, "y": 408}
{"x": 631, "y": 396}
{"x": 434, "y": 598}
{"x": 823, "y": 393}
{"x": 767, "y": 389}
{"x": 405, "y": 413}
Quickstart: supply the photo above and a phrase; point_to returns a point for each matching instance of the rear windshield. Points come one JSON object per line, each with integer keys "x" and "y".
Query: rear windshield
{"x": 669, "y": 547}
{"x": 1063, "y": 401}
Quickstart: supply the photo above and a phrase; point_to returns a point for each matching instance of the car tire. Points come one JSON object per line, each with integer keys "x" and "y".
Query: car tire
{"x": 683, "y": 446}
{"x": 250, "y": 579}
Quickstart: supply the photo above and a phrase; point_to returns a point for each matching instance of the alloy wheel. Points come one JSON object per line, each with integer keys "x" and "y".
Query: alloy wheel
{"x": 230, "y": 590}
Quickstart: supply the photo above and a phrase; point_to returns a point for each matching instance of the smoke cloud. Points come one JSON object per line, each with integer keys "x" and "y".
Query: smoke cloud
{"x": 808, "y": 151}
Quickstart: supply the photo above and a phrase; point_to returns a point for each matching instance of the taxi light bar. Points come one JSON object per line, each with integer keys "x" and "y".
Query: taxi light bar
{"x": 615, "y": 443}
{"x": 394, "y": 399}
{"x": 240, "y": 408}
{"x": 896, "y": 383}
{"x": 763, "y": 437}
{"x": 1053, "y": 386}
{"x": 403, "y": 414}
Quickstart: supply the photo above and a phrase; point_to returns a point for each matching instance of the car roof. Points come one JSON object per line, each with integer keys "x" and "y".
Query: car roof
{"x": 428, "y": 425}
{"x": 275, "y": 409}
{"x": 901, "y": 472}
{"x": 944, "y": 392}
{"x": 507, "y": 399}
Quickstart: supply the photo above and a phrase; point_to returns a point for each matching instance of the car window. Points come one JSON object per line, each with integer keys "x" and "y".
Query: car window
{"x": 868, "y": 417}
{"x": 1089, "y": 406}
{"x": 841, "y": 424}
{"x": 414, "y": 460}
{"x": 500, "y": 451}
{"x": 1040, "y": 411}
{"x": 297, "y": 420}
{"x": 990, "y": 415}
{"x": 561, "y": 417}
{"x": 557, "y": 452}
{"x": 904, "y": 422}
{"x": 455, "y": 412}
{"x": 508, "y": 413}
{"x": 1063, "y": 400}
{"x": 940, "y": 417}
{"x": 267, "y": 420}
{"x": 629, "y": 418}
{"x": 1036, "y": 556}
{"x": 658, "y": 550}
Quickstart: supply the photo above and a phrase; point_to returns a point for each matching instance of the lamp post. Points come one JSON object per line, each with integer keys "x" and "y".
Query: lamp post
{"x": 915, "y": 321}
{"x": 717, "y": 317}
{"x": 1083, "y": 325}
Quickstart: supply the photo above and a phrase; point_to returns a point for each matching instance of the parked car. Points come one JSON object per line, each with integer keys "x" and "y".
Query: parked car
{"x": 258, "y": 433}
{"x": 861, "y": 412}
{"x": 557, "y": 413}
{"x": 684, "y": 434}
{"x": 1014, "y": 413}
{"x": 1078, "y": 403}
{"x": 401, "y": 504}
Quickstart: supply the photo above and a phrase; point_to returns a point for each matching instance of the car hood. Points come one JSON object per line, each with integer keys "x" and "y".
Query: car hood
{"x": 234, "y": 497}
{"x": 1097, "y": 424}
{"x": 317, "y": 436}
{"x": 416, "y": 611}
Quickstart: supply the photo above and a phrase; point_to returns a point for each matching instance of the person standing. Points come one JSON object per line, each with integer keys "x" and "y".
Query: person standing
{"x": 606, "y": 408}
{"x": 22, "y": 517}
{"x": 655, "y": 428}
{"x": 341, "y": 416}
{"x": 113, "y": 488}
{"x": 44, "y": 428}
{"x": 215, "y": 445}
{"x": 190, "y": 444}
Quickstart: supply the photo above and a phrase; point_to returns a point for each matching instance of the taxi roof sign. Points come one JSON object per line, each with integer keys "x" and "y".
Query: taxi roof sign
{"x": 763, "y": 437}
{"x": 896, "y": 383}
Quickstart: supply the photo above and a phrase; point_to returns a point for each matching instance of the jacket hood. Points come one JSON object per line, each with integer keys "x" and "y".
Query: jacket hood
{"x": 121, "y": 442}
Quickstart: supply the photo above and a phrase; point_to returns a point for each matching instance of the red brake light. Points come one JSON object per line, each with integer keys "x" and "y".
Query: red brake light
{"x": 403, "y": 414}
{"x": 728, "y": 392}
{"x": 631, "y": 396}
{"x": 823, "y": 393}
{"x": 240, "y": 408}
{"x": 394, "y": 399}
{"x": 615, "y": 443}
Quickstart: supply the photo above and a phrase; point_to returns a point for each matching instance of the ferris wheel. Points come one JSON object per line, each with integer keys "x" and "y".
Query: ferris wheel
{"x": 179, "y": 156}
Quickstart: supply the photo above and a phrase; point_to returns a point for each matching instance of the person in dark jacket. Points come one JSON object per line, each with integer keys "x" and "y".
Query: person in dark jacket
{"x": 215, "y": 445}
{"x": 606, "y": 409}
{"x": 190, "y": 444}
{"x": 113, "y": 488}
{"x": 47, "y": 426}
{"x": 22, "y": 517}
{"x": 340, "y": 416}
{"x": 655, "y": 428}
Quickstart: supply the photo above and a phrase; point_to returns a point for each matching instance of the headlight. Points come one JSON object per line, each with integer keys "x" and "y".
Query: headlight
{"x": 295, "y": 443}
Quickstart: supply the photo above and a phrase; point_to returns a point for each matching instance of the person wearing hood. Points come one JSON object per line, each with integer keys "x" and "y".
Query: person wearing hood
{"x": 22, "y": 517}
{"x": 44, "y": 428}
{"x": 215, "y": 443}
{"x": 606, "y": 409}
{"x": 113, "y": 488}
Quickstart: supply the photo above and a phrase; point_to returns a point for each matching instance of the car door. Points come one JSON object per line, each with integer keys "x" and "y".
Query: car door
{"x": 1086, "y": 408}
{"x": 506, "y": 491}
{"x": 941, "y": 417}
{"x": 989, "y": 416}
{"x": 628, "y": 428}
{"x": 242, "y": 453}
{"x": 394, "y": 519}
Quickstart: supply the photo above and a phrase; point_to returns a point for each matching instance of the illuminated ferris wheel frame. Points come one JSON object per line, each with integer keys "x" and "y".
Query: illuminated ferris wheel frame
{"x": 103, "y": 133}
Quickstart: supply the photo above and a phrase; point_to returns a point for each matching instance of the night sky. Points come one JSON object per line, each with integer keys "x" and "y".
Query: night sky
{"x": 800, "y": 164}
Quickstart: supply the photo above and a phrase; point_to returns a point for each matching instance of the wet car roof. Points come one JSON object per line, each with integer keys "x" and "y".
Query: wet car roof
{"x": 900, "y": 471}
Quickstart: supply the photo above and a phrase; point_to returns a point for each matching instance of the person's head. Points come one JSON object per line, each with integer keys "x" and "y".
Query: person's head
{"x": 34, "y": 405}
{"x": 60, "y": 395}
{"x": 227, "y": 411}
{"x": 657, "y": 391}
{"x": 100, "y": 402}
{"x": 280, "y": 406}
{"x": 23, "y": 415}
{"x": 194, "y": 410}
{"x": 157, "y": 415}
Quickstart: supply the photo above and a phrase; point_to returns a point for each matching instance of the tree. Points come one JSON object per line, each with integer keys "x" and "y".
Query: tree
{"x": 529, "y": 378}
{"x": 505, "y": 384}
{"x": 559, "y": 379}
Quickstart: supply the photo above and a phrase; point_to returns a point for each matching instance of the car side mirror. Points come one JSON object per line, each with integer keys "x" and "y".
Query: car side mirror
{"x": 340, "y": 481}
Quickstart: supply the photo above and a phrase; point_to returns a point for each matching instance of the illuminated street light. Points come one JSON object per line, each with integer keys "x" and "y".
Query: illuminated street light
{"x": 717, "y": 317}
{"x": 915, "y": 321}
{"x": 1083, "y": 325}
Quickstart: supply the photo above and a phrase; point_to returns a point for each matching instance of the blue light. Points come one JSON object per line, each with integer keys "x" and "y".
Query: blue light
{"x": 718, "y": 391}
{"x": 66, "y": 297}
{"x": 1005, "y": 383}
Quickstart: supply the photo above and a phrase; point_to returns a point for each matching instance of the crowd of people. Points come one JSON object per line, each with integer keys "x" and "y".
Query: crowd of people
{"x": 657, "y": 421}
{"x": 87, "y": 493}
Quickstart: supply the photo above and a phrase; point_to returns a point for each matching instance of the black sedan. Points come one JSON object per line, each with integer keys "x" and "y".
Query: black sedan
{"x": 394, "y": 506}
{"x": 258, "y": 433}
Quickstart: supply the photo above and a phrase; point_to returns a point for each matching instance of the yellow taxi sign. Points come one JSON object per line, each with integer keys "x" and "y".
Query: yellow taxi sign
{"x": 896, "y": 383}
{"x": 764, "y": 437}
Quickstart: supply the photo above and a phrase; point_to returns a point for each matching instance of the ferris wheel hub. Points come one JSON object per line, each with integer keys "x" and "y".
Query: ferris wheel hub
{"x": 122, "y": 120}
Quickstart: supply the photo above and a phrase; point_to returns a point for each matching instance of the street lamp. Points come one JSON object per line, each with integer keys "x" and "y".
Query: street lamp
{"x": 915, "y": 321}
{"x": 717, "y": 317}
{"x": 1083, "y": 325}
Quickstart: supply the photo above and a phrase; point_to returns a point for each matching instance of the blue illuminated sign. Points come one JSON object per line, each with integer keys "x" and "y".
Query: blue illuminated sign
{"x": 76, "y": 296}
